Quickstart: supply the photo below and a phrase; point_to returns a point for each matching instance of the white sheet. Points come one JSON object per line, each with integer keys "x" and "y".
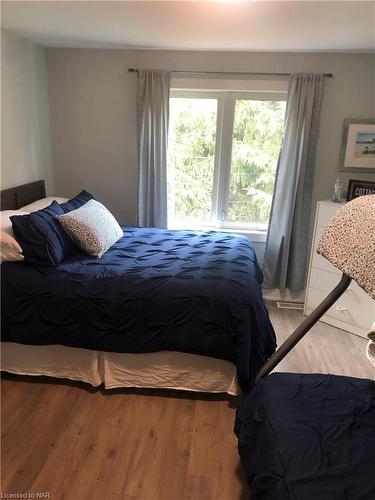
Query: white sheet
{"x": 171, "y": 370}
{"x": 167, "y": 369}
{"x": 52, "y": 361}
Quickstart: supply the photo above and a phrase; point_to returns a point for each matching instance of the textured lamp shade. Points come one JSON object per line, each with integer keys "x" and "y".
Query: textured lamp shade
{"x": 348, "y": 242}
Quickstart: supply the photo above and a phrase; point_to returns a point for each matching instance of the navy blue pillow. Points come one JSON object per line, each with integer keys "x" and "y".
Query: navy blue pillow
{"x": 77, "y": 202}
{"x": 41, "y": 237}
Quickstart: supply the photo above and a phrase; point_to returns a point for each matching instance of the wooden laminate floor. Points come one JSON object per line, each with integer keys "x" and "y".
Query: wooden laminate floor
{"x": 73, "y": 442}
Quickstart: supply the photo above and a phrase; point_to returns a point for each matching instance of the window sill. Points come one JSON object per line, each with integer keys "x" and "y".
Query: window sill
{"x": 257, "y": 236}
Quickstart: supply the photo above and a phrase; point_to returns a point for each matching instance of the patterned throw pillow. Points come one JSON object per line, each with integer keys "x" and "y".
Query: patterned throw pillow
{"x": 92, "y": 227}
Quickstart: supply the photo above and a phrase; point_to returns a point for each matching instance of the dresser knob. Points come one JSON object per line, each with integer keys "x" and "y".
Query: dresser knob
{"x": 341, "y": 308}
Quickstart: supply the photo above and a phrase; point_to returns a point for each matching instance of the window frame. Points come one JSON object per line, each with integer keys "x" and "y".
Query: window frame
{"x": 226, "y": 103}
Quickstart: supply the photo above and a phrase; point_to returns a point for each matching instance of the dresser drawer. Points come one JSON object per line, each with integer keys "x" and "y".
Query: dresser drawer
{"x": 318, "y": 261}
{"x": 324, "y": 280}
{"x": 326, "y": 212}
{"x": 354, "y": 307}
{"x": 322, "y": 263}
{"x": 318, "y": 234}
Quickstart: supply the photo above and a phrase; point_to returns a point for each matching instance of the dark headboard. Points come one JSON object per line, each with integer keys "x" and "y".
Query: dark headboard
{"x": 19, "y": 196}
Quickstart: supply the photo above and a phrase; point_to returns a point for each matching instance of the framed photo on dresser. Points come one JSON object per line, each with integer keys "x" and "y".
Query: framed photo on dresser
{"x": 357, "y": 152}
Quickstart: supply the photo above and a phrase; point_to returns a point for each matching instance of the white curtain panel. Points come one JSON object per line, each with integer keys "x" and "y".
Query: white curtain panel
{"x": 286, "y": 252}
{"x": 153, "y": 115}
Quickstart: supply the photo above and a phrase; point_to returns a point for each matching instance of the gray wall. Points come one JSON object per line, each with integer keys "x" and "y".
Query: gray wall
{"x": 93, "y": 112}
{"x": 25, "y": 130}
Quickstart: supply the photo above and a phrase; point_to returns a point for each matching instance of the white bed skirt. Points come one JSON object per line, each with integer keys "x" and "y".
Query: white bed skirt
{"x": 166, "y": 369}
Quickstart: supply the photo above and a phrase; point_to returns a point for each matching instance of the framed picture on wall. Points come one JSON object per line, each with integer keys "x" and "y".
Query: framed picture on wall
{"x": 359, "y": 188}
{"x": 357, "y": 152}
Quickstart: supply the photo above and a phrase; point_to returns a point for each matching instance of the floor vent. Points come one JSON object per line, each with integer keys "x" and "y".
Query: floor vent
{"x": 290, "y": 305}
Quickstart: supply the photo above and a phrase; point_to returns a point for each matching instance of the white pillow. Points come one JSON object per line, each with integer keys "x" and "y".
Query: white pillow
{"x": 92, "y": 227}
{"x": 43, "y": 203}
{"x": 10, "y": 249}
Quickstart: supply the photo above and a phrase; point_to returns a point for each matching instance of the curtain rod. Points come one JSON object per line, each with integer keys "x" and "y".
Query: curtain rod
{"x": 136, "y": 70}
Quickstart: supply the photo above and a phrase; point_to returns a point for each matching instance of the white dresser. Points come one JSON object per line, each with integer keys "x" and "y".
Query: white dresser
{"x": 355, "y": 310}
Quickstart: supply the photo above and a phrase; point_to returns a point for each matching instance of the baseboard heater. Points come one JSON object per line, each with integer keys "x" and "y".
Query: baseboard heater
{"x": 298, "y": 306}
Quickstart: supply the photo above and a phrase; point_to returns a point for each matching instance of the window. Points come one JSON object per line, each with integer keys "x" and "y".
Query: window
{"x": 222, "y": 157}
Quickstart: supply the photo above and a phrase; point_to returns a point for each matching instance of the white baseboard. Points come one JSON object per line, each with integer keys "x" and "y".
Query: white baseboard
{"x": 276, "y": 294}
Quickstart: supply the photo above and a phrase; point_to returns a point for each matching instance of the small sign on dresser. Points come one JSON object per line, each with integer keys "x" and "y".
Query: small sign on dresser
{"x": 359, "y": 188}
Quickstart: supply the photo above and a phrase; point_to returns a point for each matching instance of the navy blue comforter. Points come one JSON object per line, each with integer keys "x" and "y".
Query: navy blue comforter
{"x": 194, "y": 292}
{"x": 308, "y": 437}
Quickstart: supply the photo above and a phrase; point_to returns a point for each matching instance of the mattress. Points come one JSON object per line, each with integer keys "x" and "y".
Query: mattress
{"x": 154, "y": 290}
{"x": 166, "y": 370}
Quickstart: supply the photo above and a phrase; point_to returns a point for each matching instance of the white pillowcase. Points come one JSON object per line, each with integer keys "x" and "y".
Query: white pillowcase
{"x": 10, "y": 249}
{"x": 43, "y": 203}
{"x": 92, "y": 227}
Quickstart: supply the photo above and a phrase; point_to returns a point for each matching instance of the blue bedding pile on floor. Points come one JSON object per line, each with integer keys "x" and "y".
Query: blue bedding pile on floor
{"x": 308, "y": 437}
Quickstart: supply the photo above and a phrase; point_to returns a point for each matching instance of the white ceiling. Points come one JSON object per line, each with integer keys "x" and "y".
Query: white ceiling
{"x": 213, "y": 25}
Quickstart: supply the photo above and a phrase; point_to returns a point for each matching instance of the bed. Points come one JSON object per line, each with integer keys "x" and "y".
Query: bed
{"x": 175, "y": 309}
